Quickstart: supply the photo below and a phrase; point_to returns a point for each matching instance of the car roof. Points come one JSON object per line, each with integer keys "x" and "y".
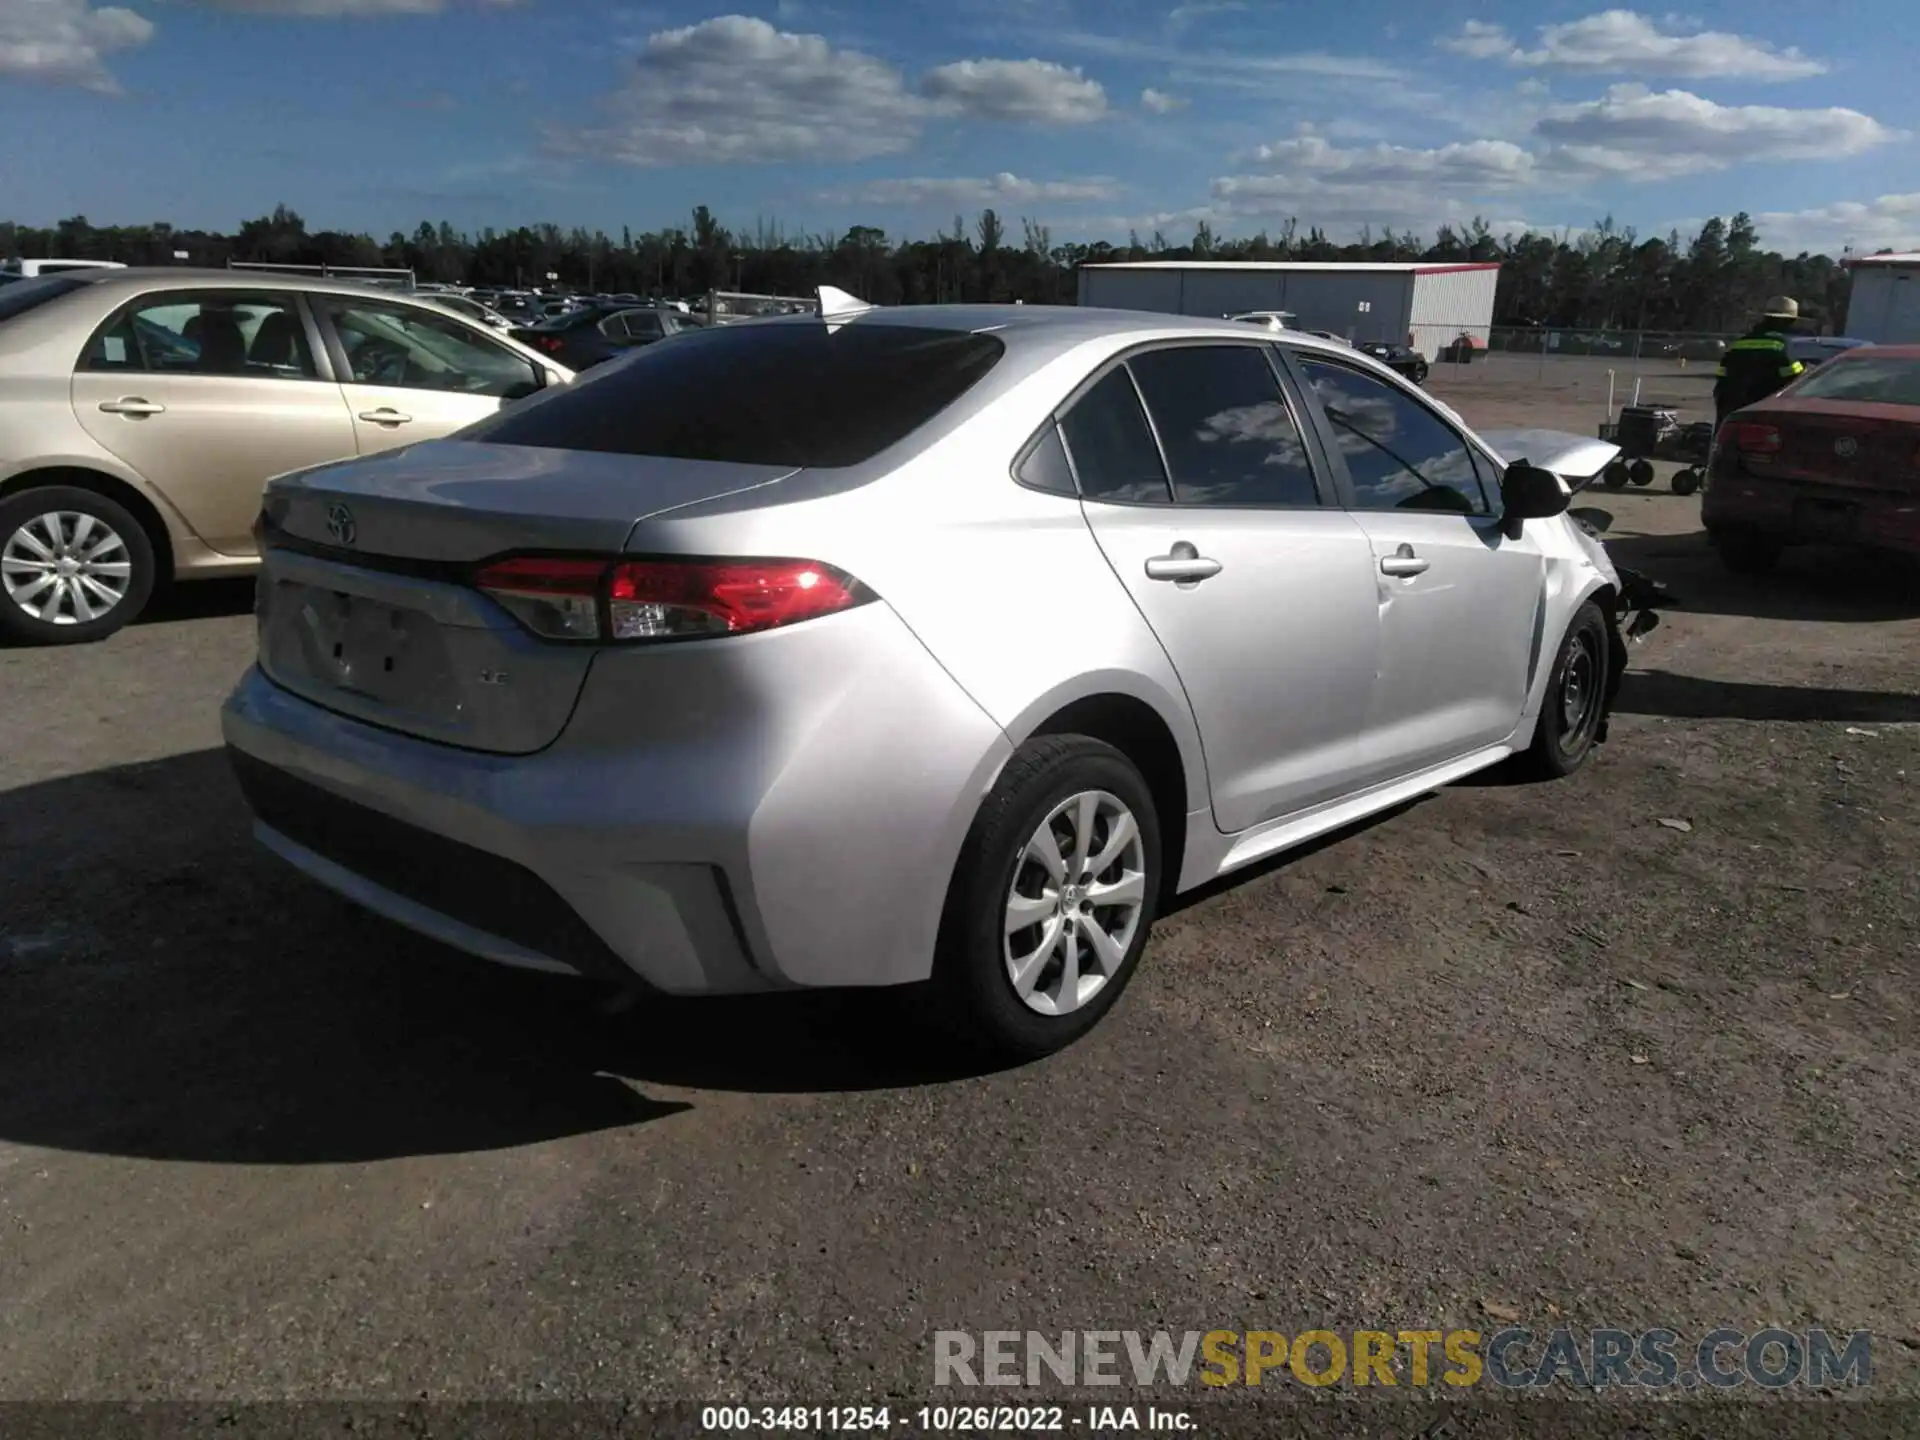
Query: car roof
{"x": 190, "y": 278}
{"x": 1866, "y": 351}
{"x": 1049, "y": 326}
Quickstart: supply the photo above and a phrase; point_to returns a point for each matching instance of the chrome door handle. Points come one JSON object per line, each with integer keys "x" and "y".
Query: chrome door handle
{"x": 1185, "y": 565}
{"x": 1403, "y": 563}
{"x": 385, "y": 415}
{"x": 132, "y": 405}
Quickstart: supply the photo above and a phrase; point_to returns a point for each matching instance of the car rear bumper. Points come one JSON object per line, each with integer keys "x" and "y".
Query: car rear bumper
{"x": 726, "y": 851}
{"x": 1794, "y": 511}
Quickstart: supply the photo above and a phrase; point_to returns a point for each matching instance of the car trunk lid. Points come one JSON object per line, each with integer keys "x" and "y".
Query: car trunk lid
{"x": 1851, "y": 445}
{"x": 365, "y": 604}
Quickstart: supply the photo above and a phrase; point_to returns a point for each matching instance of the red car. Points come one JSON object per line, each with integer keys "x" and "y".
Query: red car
{"x": 1834, "y": 458}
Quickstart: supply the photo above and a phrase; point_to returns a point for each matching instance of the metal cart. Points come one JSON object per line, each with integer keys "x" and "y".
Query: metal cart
{"x": 1646, "y": 433}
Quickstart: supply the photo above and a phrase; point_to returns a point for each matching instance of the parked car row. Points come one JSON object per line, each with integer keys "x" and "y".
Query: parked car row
{"x": 143, "y": 411}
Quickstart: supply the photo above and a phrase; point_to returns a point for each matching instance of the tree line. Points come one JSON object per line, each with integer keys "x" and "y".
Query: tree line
{"x": 1604, "y": 277}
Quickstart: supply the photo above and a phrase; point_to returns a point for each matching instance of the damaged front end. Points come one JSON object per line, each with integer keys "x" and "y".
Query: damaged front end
{"x": 1633, "y": 617}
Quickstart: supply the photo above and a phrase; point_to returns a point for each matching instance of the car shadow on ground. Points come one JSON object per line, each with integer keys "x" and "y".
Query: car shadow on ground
{"x": 200, "y": 600}
{"x": 174, "y": 992}
{"x": 1685, "y": 697}
{"x": 1810, "y": 583}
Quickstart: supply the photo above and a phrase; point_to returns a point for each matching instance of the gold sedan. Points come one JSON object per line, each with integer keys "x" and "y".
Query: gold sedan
{"x": 143, "y": 411}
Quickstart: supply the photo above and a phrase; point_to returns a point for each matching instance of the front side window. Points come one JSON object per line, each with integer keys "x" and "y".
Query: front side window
{"x": 409, "y": 347}
{"x": 226, "y": 332}
{"x": 1228, "y": 435}
{"x": 1113, "y": 450}
{"x": 1399, "y": 454}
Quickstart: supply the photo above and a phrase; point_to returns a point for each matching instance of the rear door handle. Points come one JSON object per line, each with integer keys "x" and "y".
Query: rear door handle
{"x": 1185, "y": 565}
{"x": 1403, "y": 563}
{"x": 385, "y": 415}
{"x": 132, "y": 405}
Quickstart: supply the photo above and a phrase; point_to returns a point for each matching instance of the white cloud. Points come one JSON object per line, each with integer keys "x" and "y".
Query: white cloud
{"x": 1342, "y": 188}
{"x": 947, "y": 192}
{"x": 1477, "y": 166}
{"x": 1624, "y": 42}
{"x": 65, "y": 42}
{"x": 736, "y": 91}
{"x": 1021, "y": 90}
{"x": 1160, "y": 102}
{"x": 1889, "y": 222}
{"x": 1635, "y": 133}
{"x": 339, "y": 9}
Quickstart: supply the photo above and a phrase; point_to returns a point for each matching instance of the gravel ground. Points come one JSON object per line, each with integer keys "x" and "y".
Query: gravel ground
{"x": 1635, "y": 1049}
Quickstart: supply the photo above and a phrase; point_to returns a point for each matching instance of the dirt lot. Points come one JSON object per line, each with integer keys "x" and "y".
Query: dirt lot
{"x": 1513, "y": 1051}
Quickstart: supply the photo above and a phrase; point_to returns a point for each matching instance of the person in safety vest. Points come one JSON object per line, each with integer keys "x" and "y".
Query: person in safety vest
{"x": 1757, "y": 364}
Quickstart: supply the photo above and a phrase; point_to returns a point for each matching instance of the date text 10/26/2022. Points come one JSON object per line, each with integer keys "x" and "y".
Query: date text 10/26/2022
{"x": 944, "y": 1419}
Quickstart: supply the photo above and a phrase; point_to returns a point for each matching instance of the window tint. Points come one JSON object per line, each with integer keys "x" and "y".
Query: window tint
{"x": 1228, "y": 435}
{"x": 1879, "y": 380}
{"x": 1399, "y": 454}
{"x": 787, "y": 393}
{"x": 1045, "y": 465}
{"x": 642, "y": 324}
{"x": 18, "y": 295}
{"x": 226, "y": 332}
{"x": 1113, "y": 451}
{"x": 413, "y": 348}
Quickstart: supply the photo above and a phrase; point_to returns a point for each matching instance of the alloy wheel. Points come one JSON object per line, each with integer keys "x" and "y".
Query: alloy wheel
{"x": 66, "y": 567}
{"x": 1079, "y": 890}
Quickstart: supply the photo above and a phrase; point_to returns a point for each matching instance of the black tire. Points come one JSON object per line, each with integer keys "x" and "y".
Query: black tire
{"x": 973, "y": 989}
{"x": 1562, "y": 741}
{"x": 29, "y": 513}
{"x": 1614, "y": 477}
{"x": 1418, "y": 375}
{"x": 1746, "y": 553}
{"x": 1685, "y": 482}
{"x": 1640, "y": 472}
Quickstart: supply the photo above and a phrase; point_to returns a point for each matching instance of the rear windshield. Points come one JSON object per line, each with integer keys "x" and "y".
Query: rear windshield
{"x": 20, "y": 296}
{"x": 1883, "y": 380}
{"x": 794, "y": 395}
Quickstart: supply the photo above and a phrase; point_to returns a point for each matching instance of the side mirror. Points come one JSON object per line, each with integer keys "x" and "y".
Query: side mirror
{"x": 1529, "y": 493}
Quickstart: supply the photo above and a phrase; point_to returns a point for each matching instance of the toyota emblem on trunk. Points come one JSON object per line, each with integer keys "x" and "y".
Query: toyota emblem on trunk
{"x": 340, "y": 525}
{"x": 1846, "y": 447}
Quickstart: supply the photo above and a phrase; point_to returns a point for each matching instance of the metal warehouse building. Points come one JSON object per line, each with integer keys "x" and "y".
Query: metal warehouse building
{"x": 1423, "y": 305}
{"x": 1885, "y": 306}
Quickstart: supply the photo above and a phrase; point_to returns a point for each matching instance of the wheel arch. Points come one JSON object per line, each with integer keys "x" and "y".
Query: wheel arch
{"x": 1139, "y": 731}
{"x": 128, "y": 496}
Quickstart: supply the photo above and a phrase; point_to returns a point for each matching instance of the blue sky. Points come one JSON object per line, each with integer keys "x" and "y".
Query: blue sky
{"x": 1089, "y": 116}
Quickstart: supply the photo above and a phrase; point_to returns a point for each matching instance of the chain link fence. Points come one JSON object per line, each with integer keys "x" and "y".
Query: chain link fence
{"x": 1601, "y": 369}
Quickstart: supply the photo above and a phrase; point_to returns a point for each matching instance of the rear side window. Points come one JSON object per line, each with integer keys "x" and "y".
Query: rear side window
{"x": 1114, "y": 454}
{"x": 794, "y": 395}
{"x": 1879, "y": 381}
{"x": 1228, "y": 434}
{"x": 19, "y": 296}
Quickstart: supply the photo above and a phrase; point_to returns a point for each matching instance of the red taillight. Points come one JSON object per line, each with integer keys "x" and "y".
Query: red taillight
{"x": 549, "y": 343}
{"x": 557, "y": 598}
{"x": 667, "y": 599}
{"x": 570, "y": 598}
{"x": 1752, "y": 439}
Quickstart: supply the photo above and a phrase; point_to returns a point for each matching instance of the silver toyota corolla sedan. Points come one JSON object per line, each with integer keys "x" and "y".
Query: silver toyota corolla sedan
{"x": 891, "y": 646}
